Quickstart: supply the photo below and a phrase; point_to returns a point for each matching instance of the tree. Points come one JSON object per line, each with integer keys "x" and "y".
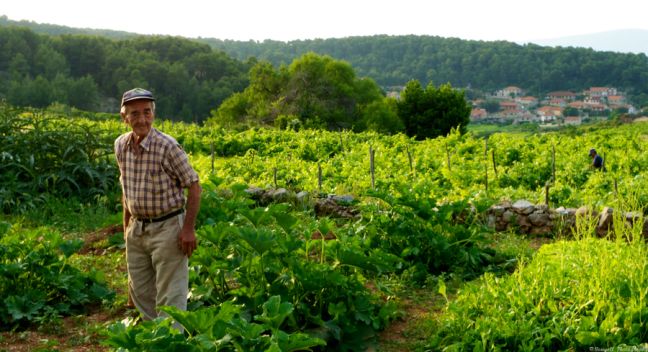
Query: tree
{"x": 432, "y": 112}
{"x": 83, "y": 94}
{"x": 492, "y": 106}
{"x": 570, "y": 111}
{"x": 382, "y": 116}
{"x": 19, "y": 67}
{"x": 317, "y": 91}
{"x": 49, "y": 62}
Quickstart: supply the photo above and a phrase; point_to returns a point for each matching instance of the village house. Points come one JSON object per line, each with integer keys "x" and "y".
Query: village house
{"x": 557, "y": 102}
{"x": 564, "y": 95}
{"x": 511, "y": 114}
{"x": 508, "y": 105}
{"x": 549, "y": 113}
{"x": 524, "y": 116}
{"x": 478, "y": 114}
{"x": 594, "y": 100}
{"x": 616, "y": 100}
{"x": 527, "y": 102}
{"x": 579, "y": 104}
{"x": 600, "y": 92}
{"x": 594, "y": 105}
{"x": 509, "y": 92}
{"x": 573, "y": 120}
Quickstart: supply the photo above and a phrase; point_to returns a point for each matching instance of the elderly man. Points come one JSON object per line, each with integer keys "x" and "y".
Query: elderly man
{"x": 159, "y": 233}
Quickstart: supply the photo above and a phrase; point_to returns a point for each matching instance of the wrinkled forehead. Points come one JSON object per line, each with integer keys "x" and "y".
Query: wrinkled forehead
{"x": 139, "y": 106}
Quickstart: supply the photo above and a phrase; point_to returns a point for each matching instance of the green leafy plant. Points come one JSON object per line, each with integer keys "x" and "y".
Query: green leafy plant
{"x": 45, "y": 154}
{"x": 225, "y": 327}
{"x": 39, "y": 284}
{"x": 575, "y": 295}
{"x": 263, "y": 252}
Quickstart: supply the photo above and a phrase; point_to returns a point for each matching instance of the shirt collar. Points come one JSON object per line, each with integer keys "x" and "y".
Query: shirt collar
{"x": 146, "y": 143}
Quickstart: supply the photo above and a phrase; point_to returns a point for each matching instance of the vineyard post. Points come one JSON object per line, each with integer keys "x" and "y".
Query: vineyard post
{"x": 371, "y": 166}
{"x": 553, "y": 163}
{"x": 212, "y": 157}
{"x": 486, "y": 164}
{"x": 494, "y": 163}
{"x": 409, "y": 157}
{"x": 448, "y": 157}
{"x": 616, "y": 188}
{"x": 341, "y": 145}
{"x": 547, "y": 194}
{"x": 319, "y": 177}
{"x": 274, "y": 171}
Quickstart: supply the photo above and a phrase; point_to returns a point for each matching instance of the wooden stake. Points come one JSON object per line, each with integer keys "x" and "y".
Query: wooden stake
{"x": 409, "y": 156}
{"x": 553, "y": 163}
{"x": 319, "y": 177}
{"x": 494, "y": 163}
{"x": 212, "y": 157}
{"x": 547, "y": 194}
{"x": 486, "y": 164}
{"x": 275, "y": 176}
{"x": 448, "y": 157}
{"x": 371, "y": 167}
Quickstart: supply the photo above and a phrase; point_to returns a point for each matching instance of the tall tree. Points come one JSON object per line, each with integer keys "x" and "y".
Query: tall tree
{"x": 315, "y": 90}
{"x": 432, "y": 112}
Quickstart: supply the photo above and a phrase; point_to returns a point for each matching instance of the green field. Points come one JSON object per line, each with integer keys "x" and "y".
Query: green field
{"x": 409, "y": 263}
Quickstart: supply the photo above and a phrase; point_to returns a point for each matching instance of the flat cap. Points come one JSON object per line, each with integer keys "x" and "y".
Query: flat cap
{"x": 136, "y": 94}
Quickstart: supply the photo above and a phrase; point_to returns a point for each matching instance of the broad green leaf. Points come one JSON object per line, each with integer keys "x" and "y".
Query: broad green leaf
{"x": 275, "y": 312}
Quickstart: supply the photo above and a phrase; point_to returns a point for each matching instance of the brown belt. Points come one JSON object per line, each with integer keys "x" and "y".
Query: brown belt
{"x": 161, "y": 218}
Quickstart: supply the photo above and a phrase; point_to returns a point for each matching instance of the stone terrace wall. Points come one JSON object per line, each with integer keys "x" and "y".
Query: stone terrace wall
{"x": 521, "y": 216}
{"x": 528, "y": 218}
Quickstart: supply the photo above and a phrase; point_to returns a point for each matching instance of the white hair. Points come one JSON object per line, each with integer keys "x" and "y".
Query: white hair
{"x": 122, "y": 111}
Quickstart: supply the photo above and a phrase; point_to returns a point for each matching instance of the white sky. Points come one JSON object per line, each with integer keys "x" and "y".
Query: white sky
{"x": 512, "y": 20}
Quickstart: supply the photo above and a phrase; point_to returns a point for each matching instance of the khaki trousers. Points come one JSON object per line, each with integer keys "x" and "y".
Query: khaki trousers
{"x": 158, "y": 272}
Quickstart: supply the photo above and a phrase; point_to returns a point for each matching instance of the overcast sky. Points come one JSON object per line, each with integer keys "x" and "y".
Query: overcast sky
{"x": 513, "y": 20}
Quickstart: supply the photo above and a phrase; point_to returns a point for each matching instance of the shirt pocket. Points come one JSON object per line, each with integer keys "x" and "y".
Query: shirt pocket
{"x": 158, "y": 181}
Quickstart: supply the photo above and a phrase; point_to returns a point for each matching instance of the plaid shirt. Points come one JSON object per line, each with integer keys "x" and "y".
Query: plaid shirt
{"x": 153, "y": 182}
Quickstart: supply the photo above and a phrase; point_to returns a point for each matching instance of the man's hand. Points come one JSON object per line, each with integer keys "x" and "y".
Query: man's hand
{"x": 187, "y": 241}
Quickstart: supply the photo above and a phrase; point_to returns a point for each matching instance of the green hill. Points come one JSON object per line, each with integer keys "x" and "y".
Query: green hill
{"x": 479, "y": 66}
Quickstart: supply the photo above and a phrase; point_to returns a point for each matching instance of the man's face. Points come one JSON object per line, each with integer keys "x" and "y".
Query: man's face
{"x": 139, "y": 116}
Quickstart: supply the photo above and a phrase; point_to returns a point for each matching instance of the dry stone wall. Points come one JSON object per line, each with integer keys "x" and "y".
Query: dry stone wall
{"x": 528, "y": 218}
{"x": 330, "y": 205}
{"x": 521, "y": 216}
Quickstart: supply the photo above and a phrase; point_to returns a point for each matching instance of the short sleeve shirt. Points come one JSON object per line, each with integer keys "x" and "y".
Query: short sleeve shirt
{"x": 153, "y": 182}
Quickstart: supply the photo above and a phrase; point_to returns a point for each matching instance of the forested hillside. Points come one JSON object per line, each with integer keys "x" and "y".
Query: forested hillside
{"x": 54, "y": 29}
{"x": 388, "y": 60}
{"x": 485, "y": 66}
{"x": 91, "y": 72}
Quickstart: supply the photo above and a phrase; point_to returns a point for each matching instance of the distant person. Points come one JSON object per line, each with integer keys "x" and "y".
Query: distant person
{"x": 597, "y": 160}
{"x": 158, "y": 220}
